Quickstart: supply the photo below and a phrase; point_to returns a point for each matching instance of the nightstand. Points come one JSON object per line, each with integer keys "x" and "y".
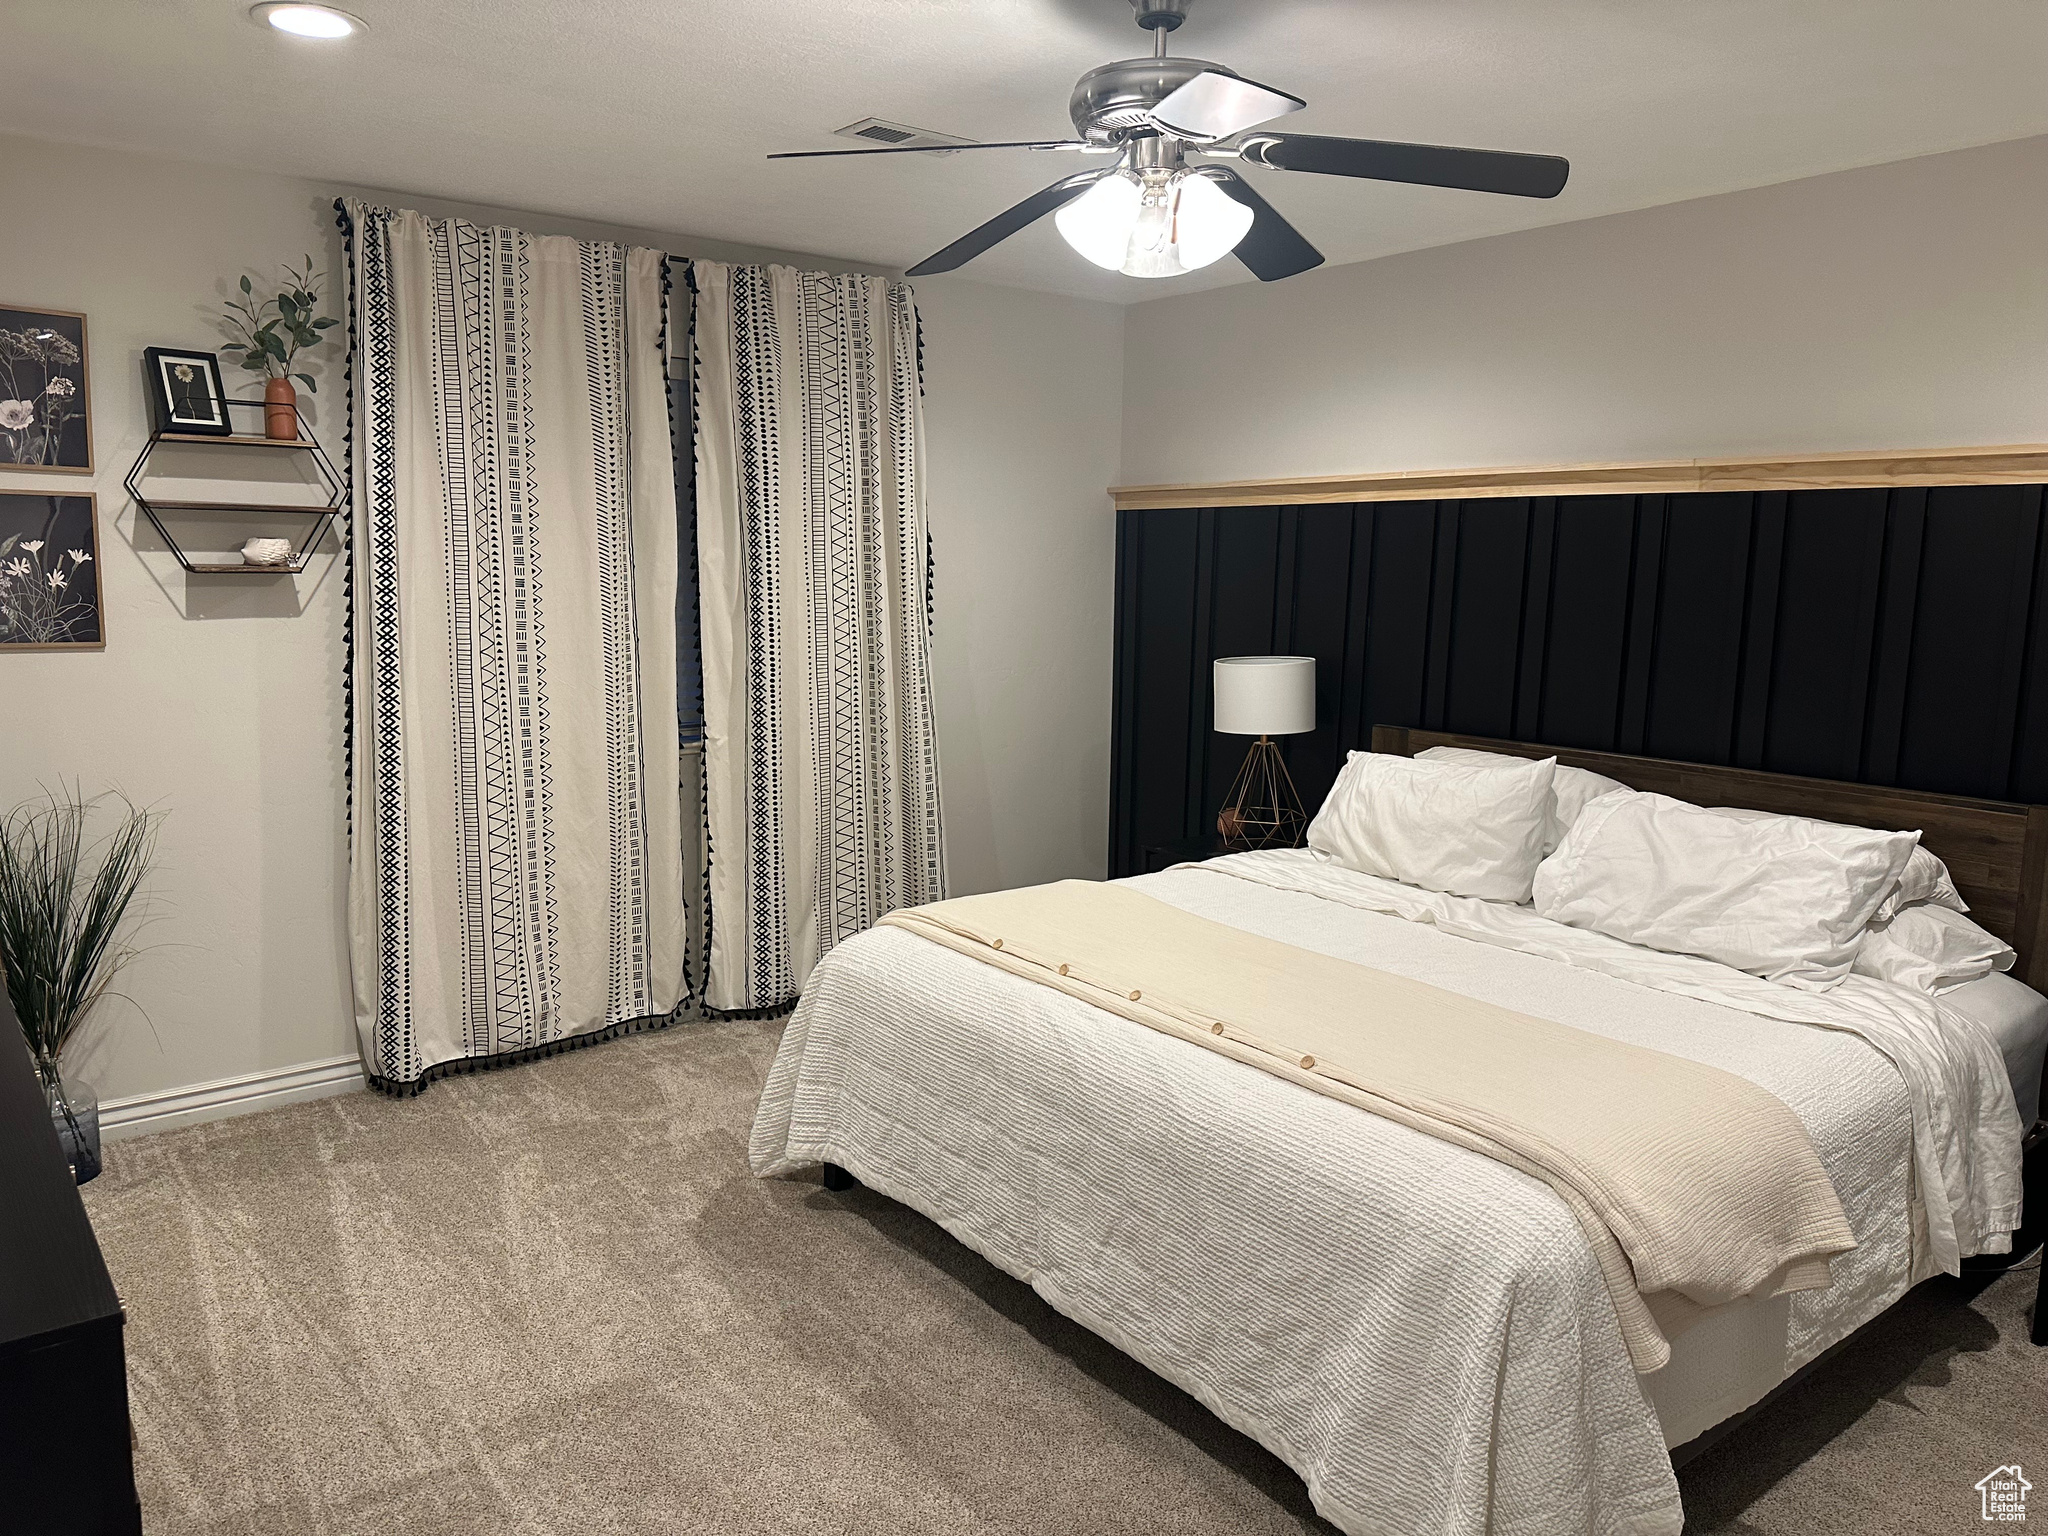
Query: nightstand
{"x": 1157, "y": 856}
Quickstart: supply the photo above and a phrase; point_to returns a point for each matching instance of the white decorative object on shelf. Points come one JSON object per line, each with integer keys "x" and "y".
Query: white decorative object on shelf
{"x": 267, "y": 552}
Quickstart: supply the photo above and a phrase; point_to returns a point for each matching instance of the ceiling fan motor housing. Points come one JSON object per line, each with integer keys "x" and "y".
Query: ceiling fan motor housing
{"x": 1111, "y": 101}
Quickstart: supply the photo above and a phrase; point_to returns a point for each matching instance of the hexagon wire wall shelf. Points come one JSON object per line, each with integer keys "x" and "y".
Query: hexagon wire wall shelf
{"x": 322, "y": 515}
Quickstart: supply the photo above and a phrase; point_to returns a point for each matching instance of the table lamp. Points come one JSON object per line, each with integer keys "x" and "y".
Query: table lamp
{"x": 1264, "y": 696}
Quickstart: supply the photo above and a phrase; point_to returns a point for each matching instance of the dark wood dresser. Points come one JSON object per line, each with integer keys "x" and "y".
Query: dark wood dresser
{"x": 65, "y": 1454}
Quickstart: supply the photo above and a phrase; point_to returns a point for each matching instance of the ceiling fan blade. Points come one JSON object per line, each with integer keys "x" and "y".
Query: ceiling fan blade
{"x": 1272, "y": 248}
{"x": 1429, "y": 165}
{"x": 940, "y": 149}
{"x": 1007, "y": 223}
{"x": 1214, "y": 105}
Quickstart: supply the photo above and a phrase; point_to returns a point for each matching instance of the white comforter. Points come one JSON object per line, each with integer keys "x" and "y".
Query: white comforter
{"x": 1417, "y": 1330}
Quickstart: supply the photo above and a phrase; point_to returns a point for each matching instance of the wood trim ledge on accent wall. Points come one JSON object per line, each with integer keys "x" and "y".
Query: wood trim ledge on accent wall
{"x": 2004, "y": 464}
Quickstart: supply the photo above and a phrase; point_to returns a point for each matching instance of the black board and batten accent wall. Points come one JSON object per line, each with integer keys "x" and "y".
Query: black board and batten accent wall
{"x": 1890, "y": 635}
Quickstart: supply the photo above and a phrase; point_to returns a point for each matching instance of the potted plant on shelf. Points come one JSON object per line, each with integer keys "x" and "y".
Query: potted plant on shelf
{"x": 60, "y": 939}
{"x": 270, "y": 344}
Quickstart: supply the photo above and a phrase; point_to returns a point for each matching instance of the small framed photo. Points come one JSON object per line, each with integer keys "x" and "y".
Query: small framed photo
{"x": 186, "y": 393}
{"x": 50, "y": 574}
{"x": 45, "y": 421}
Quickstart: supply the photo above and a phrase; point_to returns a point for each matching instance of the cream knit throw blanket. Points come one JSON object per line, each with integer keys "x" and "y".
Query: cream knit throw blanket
{"x": 1694, "y": 1186}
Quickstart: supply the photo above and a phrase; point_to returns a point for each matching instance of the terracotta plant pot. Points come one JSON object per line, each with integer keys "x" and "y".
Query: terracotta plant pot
{"x": 280, "y": 410}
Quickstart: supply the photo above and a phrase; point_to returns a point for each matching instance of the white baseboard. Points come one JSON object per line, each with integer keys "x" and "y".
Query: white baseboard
{"x": 147, "y": 1113}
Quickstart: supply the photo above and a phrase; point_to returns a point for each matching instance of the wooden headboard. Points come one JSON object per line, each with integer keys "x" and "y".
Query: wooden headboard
{"x": 1996, "y": 851}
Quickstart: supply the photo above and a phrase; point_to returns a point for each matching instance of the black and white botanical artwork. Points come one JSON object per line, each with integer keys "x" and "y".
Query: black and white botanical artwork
{"x": 49, "y": 573}
{"x": 44, "y": 420}
{"x": 186, "y": 393}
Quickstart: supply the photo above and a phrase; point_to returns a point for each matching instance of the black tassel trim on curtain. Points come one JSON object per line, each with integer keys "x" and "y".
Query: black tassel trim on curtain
{"x": 668, "y": 390}
{"x": 781, "y": 1010}
{"x": 931, "y": 559}
{"x": 347, "y": 226}
{"x": 917, "y": 318}
{"x": 704, "y": 806}
{"x": 463, "y": 1066}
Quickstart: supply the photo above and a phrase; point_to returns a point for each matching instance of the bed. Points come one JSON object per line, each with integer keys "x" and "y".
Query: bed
{"x": 1419, "y": 1331}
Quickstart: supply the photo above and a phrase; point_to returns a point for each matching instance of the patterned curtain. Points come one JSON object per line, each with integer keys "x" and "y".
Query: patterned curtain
{"x": 821, "y": 759}
{"x": 515, "y": 879}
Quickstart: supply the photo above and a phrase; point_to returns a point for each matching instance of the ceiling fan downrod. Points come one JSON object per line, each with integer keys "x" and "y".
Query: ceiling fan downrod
{"x": 1160, "y": 17}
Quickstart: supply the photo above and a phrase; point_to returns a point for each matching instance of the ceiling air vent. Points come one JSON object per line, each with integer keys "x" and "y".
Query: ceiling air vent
{"x": 873, "y": 130}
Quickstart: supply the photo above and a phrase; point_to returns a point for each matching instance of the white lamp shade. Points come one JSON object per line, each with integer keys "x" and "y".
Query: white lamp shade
{"x": 1265, "y": 695}
{"x": 1209, "y": 222}
{"x": 1098, "y": 222}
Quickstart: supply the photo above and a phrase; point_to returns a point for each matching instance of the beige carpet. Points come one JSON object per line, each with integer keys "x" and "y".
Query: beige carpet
{"x": 552, "y": 1300}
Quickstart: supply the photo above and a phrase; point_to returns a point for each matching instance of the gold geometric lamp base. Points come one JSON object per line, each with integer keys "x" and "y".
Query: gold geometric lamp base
{"x": 1262, "y": 811}
{"x": 1264, "y": 696}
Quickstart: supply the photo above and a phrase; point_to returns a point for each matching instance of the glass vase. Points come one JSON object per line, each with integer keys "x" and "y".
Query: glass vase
{"x": 75, "y": 1112}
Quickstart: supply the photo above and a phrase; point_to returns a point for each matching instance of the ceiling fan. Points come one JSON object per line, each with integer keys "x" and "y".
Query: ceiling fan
{"x": 1155, "y": 213}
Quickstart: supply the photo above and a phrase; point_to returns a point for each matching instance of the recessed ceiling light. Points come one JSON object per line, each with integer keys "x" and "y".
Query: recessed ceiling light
{"x": 308, "y": 20}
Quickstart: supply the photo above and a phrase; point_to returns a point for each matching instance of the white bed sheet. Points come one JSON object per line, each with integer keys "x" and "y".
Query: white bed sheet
{"x": 1417, "y": 1330}
{"x": 2016, "y": 1017}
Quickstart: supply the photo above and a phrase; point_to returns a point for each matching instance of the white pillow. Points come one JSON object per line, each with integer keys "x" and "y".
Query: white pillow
{"x": 1572, "y": 786}
{"x": 1469, "y": 829}
{"x": 1925, "y": 880}
{"x": 1931, "y": 948}
{"x": 1781, "y": 897}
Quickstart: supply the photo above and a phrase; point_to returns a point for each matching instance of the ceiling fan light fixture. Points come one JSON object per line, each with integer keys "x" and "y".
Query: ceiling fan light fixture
{"x": 1159, "y": 225}
{"x": 1210, "y": 222}
{"x": 1098, "y": 223}
{"x": 1151, "y": 251}
{"x": 1153, "y": 216}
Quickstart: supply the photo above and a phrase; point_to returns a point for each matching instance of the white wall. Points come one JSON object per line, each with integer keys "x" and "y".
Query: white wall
{"x": 1022, "y": 395}
{"x": 218, "y": 699}
{"x": 1899, "y": 306}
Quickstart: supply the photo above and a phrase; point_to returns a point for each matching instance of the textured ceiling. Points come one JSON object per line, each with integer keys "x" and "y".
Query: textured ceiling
{"x": 657, "y": 113}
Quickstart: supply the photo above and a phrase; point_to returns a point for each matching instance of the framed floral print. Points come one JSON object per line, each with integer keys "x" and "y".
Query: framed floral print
{"x": 50, "y": 573}
{"x": 45, "y": 419}
{"x": 185, "y": 392}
